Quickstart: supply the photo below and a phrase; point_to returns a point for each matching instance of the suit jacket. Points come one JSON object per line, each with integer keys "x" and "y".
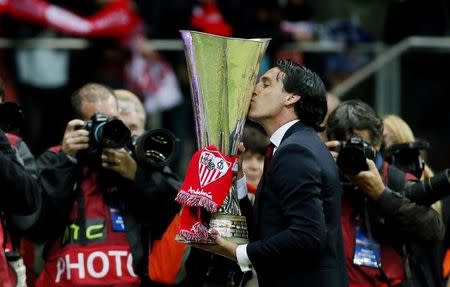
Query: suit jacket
{"x": 297, "y": 213}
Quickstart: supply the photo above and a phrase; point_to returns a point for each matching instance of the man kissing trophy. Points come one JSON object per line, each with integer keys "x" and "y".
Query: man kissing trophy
{"x": 222, "y": 73}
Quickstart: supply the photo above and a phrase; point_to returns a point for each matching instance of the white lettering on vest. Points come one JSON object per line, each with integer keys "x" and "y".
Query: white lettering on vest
{"x": 105, "y": 263}
{"x": 117, "y": 255}
{"x": 130, "y": 266}
{"x": 79, "y": 265}
{"x": 64, "y": 265}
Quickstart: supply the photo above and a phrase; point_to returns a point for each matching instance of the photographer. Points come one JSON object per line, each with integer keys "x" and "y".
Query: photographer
{"x": 378, "y": 222}
{"x": 21, "y": 202}
{"x": 99, "y": 202}
{"x": 402, "y": 150}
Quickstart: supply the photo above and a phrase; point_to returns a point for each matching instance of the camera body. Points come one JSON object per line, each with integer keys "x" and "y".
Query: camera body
{"x": 353, "y": 154}
{"x": 104, "y": 132}
{"x": 154, "y": 148}
{"x": 11, "y": 117}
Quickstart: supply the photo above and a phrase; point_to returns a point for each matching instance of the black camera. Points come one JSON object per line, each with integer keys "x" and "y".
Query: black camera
{"x": 353, "y": 154}
{"x": 406, "y": 156}
{"x": 156, "y": 148}
{"x": 11, "y": 117}
{"x": 104, "y": 132}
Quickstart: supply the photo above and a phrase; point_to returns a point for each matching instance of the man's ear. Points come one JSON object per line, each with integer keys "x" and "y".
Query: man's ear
{"x": 292, "y": 99}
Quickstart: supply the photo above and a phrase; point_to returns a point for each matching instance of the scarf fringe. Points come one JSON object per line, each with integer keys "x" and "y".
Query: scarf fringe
{"x": 187, "y": 199}
{"x": 198, "y": 235}
{"x": 208, "y": 204}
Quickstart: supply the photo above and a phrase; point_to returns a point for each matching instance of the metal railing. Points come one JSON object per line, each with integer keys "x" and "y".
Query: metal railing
{"x": 387, "y": 67}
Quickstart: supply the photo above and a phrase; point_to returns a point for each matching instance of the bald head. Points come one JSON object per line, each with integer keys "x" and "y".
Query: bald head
{"x": 94, "y": 98}
{"x": 131, "y": 111}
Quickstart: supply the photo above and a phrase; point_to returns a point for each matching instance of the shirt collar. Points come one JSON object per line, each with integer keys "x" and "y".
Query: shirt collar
{"x": 279, "y": 133}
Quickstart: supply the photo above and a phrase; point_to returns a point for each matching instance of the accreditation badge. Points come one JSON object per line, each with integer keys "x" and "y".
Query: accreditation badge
{"x": 116, "y": 218}
{"x": 367, "y": 250}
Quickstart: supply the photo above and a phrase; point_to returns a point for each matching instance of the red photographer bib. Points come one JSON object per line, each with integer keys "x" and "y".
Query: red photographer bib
{"x": 94, "y": 250}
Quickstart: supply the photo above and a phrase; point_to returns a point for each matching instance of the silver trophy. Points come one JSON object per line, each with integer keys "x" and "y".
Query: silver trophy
{"x": 223, "y": 73}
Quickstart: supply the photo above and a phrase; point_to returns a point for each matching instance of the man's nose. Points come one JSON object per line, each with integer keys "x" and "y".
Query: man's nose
{"x": 255, "y": 90}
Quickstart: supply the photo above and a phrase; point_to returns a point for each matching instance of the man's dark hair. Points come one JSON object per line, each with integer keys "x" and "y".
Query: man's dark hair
{"x": 311, "y": 109}
{"x": 90, "y": 92}
{"x": 354, "y": 115}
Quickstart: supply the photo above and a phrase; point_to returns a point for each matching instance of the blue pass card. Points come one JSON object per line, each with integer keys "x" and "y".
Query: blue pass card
{"x": 367, "y": 250}
{"x": 117, "y": 220}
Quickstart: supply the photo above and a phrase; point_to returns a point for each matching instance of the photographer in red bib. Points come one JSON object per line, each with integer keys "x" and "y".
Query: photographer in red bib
{"x": 380, "y": 222}
{"x": 99, "y": 202}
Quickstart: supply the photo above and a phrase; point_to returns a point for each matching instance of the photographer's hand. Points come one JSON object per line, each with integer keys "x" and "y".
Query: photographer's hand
{"x": 369, "y": 181}
{"x": 120, "y": 161}
{"x": 332, "y": 146}
{"x": 75, "y": 139}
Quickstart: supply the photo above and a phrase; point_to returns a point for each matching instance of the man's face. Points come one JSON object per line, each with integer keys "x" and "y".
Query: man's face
{"x": 252, "y": 165}
{"x": 131, "y": 118}
{"x": 108, "y": 106}
{"x": 268, "y": 97}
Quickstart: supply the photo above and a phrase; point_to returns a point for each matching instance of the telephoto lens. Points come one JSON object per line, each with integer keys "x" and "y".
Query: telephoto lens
{"x": 430, "y": 190}
{"x": 156, "y": 148}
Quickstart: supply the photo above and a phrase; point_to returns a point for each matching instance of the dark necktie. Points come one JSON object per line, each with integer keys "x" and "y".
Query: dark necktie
{"x": 268, "y": 157}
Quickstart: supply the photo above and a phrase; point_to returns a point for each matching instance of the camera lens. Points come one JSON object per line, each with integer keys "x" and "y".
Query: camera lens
{"x": 351, "y": 160}
{"x": 112, "y": 134}
{"x": 156, "y": 147}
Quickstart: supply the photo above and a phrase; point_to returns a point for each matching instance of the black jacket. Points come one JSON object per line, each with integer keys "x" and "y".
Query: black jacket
{"x": 298, "y": 231}
{"x": 423, "y": 255}
{"x": 20, "y": 190}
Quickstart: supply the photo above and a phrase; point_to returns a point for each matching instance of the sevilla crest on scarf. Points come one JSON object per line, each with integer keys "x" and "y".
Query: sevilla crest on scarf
{"x": 211, "y": 166}
{"x": 208, "y": 179}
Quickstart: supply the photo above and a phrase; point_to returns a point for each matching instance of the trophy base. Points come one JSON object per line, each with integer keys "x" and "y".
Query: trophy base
{"x": 230, "y": 226}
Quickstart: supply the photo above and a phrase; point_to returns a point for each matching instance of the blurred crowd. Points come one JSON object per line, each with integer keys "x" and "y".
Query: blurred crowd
{"x": 123, "y": 56}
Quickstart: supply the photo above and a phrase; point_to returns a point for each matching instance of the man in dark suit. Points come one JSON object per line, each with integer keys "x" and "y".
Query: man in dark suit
{"x": 298, "y": 238}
